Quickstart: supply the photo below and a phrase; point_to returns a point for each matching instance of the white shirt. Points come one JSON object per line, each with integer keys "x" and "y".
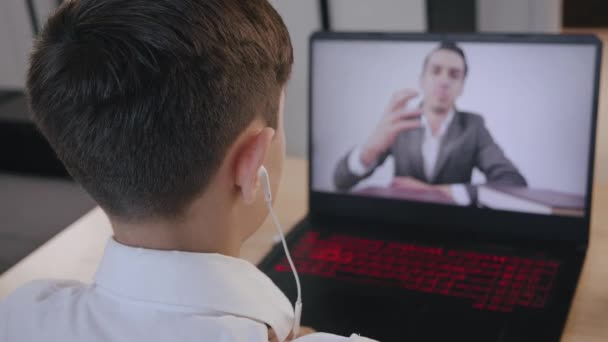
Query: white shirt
{"x": 431, "y": 145}
{"x": 150, "y": 295}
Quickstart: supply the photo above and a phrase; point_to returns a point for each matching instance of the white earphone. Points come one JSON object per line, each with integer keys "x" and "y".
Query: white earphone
{"x": 262, "y": 173}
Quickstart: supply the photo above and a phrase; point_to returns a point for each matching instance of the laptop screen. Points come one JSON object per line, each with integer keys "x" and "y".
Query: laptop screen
{"x": 502, "y": 126}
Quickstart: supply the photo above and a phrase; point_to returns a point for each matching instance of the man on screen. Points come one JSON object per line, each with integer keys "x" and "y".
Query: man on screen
{"x": 435, "y": 146}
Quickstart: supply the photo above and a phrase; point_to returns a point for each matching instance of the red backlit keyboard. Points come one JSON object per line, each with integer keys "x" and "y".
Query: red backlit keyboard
{"x": 493, "y": 282}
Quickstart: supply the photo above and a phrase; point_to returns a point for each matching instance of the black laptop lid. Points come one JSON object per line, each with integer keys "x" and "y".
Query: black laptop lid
{"x": 498, "y": 139}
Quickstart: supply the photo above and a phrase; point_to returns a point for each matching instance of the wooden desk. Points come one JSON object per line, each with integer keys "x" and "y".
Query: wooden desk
{"x": 75, "y": 253}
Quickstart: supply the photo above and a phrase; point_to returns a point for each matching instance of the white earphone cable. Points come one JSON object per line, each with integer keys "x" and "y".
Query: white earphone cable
{"x": 268, "y": 200}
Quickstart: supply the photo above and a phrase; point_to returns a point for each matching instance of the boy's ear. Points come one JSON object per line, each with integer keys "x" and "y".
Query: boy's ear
{"x": 250, "y": 158}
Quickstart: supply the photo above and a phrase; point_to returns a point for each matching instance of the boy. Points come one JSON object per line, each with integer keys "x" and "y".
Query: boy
{"x": 164, "y": 111}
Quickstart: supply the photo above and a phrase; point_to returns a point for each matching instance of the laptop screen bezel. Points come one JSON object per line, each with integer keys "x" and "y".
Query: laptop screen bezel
{"x": 468, "y": 220}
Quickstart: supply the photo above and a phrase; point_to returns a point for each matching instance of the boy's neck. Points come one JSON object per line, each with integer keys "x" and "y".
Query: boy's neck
{"x": 199, "y": 232}
{"x": 175, "y": 239}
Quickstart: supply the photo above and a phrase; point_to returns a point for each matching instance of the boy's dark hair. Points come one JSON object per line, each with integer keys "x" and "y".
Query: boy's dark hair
{"x": 449, "y": 46}
{"x": 141, "y": 99}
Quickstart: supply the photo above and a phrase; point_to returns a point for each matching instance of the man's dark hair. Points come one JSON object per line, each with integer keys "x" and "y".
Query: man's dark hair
{"x": 141, "y": 99}
{"x": 449, "y": 46}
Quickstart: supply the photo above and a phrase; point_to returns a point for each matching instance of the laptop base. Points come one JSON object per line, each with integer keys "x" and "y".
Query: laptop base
{"x": 392, "y": 313}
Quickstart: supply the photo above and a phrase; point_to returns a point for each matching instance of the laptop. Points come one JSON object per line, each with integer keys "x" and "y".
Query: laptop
{"x": 471, "y": 220}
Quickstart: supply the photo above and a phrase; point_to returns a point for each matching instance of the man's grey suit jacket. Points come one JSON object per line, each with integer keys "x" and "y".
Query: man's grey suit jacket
{"x": 466, "y": 145}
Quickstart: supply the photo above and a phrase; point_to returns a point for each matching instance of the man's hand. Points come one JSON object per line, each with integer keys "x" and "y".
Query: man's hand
{"x": 396, "y": 119}
{"x": 409, "y": 183}
{"x": 272, "y": 336}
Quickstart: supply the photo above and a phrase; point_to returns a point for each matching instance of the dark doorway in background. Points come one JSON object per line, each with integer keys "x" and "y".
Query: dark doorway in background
{"x": 585, "y": 13}
{"x": 451, "y": 16}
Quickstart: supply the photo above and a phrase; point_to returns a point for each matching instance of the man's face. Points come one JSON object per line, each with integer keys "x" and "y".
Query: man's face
{"x": 442, "y": 80}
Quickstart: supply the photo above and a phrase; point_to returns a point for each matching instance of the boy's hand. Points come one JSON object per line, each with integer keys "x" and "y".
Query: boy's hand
{"x": 272, "y": 337}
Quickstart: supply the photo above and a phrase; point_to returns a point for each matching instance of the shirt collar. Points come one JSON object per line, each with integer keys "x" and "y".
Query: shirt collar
{"x": 196, "y": 281}
{"x": 444, "y": 125}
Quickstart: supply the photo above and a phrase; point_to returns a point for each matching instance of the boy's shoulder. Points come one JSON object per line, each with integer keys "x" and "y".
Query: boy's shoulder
{"x": 23, "y": 312}
{"x": 23, "y": 300}
{"x": 38, "y": 290}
